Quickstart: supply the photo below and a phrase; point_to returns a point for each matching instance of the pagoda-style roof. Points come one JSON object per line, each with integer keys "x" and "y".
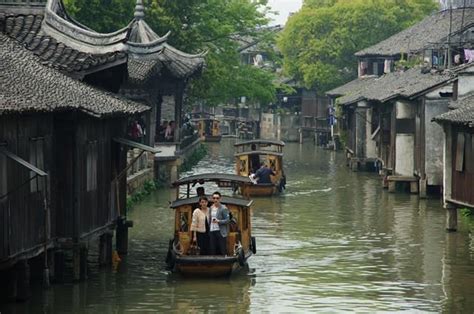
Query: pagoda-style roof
{"x": 75, "y": 49}
{"x": 27, "y": 86}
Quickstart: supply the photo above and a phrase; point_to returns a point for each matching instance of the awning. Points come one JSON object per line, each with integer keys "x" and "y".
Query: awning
{"x": 22, "y": 162}
{"x": 136, "y": 145}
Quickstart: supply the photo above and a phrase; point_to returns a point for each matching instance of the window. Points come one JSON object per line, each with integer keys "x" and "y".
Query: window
{"x": 91, "y": 166}
{"x": 37, "y": 160}
{"x": 460, "y": 149}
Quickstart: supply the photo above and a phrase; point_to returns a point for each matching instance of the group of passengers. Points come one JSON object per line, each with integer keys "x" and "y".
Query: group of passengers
{"x": 210, "y": 225}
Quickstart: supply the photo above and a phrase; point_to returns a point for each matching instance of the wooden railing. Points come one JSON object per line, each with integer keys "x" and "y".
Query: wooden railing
{"x": 144, "y": 162}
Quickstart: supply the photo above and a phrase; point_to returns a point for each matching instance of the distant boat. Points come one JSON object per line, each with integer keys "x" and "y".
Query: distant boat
{"x": 240, "y": 243}
{"x": 250, "y": 155}
{"x": 208, "y": 129}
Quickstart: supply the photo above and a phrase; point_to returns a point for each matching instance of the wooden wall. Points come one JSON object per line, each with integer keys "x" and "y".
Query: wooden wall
{"x": 22, "y": 212}
{"x": 81, "y": 159}
{"x": 463, "y": 165}
{"x": 88, "y": 160}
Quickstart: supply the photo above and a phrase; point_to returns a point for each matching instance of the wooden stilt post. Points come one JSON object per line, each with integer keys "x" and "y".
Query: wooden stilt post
{"x": 105, "y": 249}
{"x": 423, "y": 188}
{"x": 452, "y": 217}
{"x": 22, "y": 270}
{"x": 414, "y": 187}
{"x": 59, "y": 266}
{"x": 392, "y": 186}
{"x": 122, "y": 235}
{"x": 12, "y": 285}
{"x": 76, "y": 262}
{"x": 84, "y": 252}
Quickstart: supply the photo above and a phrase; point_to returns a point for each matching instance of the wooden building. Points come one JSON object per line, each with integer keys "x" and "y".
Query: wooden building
{"x": 134, "y": 61}
{"x": 62, "y": 158}
{"x": 458, "y": 125}
{"x": 387, "y": 111}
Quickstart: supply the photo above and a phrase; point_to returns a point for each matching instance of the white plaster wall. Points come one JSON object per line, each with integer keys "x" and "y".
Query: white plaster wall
{"x": 404, "y": 157}
{"x": 404, "y": 110}
{"x": 465, "y": 84}
{"x": 371, "y": 148}
{"x": 435, "y": 93}
{"x": 166, "y": 150}
{"x": 289, "y": 127}
{"x": 447, "y": 161}
{"x": 433, "y": 135}
{"x": 268, "y": 126}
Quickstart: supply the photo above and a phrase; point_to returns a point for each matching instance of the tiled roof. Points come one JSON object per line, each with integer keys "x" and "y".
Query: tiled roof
{"x": 462, "y": 113}
{"x": 27, "y": 29}
{"x": 405, "y": 84}
{"x": 178, "y": 64}
{"x": 72, "y": 48}
{"x": 433, "y": 29}
{"x": 27, "y": 86}
{"x": 351, "y": 87}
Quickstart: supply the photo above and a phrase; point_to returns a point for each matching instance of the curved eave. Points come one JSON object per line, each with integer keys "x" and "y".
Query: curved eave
{"x": 79, "y": 38}
{"x": 184, "y": 54}
{"x": 146, "y": 49}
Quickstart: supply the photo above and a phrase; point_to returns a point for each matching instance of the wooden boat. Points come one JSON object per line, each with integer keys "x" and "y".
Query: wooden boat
{"x": 240, "y": 243}
{"x": 208, "y": 129}
{"x": 250, "y": 155}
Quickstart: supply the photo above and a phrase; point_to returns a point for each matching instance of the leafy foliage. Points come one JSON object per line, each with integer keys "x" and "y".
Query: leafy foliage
{"x": 196, "y": 25}
{"x": 319, "y": 42}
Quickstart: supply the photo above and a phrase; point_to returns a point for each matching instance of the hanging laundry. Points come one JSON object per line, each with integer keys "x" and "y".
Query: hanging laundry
{"x": 387, "y": 68}
{"x": 469, "y": 55}
{"x": 363, "y": 66}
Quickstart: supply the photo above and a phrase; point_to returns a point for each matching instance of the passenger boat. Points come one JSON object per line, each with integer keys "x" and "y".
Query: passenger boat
{"x": 249, "y": 157}
{"x": 208, "y": 129}
{"x": 240, "y": 243}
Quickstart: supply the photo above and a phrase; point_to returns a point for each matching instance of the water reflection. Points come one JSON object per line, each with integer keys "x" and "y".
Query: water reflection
{"x": 334, "y": 241}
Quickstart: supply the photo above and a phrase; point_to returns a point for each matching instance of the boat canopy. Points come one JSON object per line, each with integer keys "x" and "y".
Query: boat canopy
{"x": 259, "y": 152}
{"x": 261, "y": 142}
{"x": 225, "y": 200}
{"x": 213, "y": 177}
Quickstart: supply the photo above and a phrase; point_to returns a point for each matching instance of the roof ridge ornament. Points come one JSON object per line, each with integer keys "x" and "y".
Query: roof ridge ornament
{"x": 139, "y": 10}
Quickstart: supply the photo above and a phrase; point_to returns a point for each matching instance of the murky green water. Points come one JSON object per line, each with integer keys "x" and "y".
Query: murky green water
{"x": 333, "y": 242}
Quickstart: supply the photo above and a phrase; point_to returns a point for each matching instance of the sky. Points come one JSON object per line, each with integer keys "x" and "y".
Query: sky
{"x": 284, "y": 7}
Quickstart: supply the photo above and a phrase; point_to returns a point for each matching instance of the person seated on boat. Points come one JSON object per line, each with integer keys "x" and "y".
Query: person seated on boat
{"x": 200, "y": 191}
{"x": 200, "y": 226}
{"x": 254, "y": 160}
{"x": 263, "y": 174}
{"x": 219, "y": 230}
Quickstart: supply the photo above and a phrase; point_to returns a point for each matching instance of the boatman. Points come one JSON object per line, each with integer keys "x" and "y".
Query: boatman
{"x": 263, "y": 174}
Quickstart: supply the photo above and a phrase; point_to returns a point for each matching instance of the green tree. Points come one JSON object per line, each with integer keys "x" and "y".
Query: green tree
{"x": 196, "y": 25}
{"x": 319, "y": 42}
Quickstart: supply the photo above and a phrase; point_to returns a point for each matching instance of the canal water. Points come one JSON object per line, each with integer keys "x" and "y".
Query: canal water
{"x": 335, "y": 241}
